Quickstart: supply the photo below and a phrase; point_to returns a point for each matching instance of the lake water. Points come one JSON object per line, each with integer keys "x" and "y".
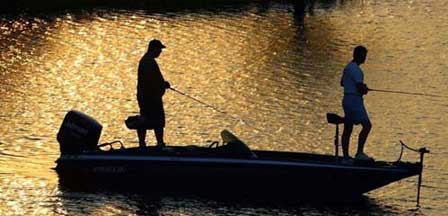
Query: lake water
{"x": 260, "y": 62}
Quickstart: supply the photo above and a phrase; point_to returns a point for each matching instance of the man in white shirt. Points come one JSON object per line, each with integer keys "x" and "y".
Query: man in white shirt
{"x": 355, "y": 113}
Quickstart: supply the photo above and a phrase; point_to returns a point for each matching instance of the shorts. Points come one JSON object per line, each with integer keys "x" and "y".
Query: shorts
{"x": 354, "y": 109}
{"x": 153, "y": 112}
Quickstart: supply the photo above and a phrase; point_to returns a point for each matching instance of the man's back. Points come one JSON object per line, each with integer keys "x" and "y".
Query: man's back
{"x": 150, "y": 80}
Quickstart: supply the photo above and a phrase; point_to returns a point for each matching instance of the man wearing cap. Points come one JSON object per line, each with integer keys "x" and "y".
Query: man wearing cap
{"x": 353, "y": 104}
{"x": 150, "y": 89}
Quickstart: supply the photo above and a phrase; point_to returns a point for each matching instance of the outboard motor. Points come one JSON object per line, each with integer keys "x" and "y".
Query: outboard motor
{"x": 79, "y": 132}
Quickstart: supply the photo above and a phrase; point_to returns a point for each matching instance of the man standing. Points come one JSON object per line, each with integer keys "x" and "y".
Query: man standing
{"x": 355, "y": 113}
{"x": 150, "y": 90}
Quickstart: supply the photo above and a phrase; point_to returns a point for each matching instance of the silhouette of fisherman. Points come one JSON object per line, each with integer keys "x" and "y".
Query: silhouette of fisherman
{"x": 353, "y": 104}
{"x": 151, "y": 87}
{"x": 299, "y": 12}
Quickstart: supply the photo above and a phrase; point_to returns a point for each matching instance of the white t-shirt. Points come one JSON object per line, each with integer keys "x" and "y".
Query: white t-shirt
{"x": 352, "y": 75}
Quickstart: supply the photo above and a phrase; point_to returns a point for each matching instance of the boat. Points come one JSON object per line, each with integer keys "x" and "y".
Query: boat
{"x": 229, "y": 166}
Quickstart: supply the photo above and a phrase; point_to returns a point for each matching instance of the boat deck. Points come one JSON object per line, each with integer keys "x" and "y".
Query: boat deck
{"x": 261, "y": 155}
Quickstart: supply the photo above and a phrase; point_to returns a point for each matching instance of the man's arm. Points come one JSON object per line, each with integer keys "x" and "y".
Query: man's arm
{"x": 358, "y": 77}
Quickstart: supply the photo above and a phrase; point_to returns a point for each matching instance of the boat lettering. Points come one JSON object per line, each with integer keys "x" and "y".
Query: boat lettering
{"x": 109, "y": 169}
{"x": 70, "y": 157}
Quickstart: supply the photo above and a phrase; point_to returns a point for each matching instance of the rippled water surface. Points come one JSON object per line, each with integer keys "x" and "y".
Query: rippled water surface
{"x": 258, "y": 62}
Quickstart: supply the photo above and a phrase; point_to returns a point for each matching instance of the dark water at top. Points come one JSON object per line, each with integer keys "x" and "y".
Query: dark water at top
{"x": 255, "y": 61}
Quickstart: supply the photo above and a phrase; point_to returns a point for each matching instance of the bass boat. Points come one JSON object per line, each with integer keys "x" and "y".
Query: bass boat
{"x": 229, "y": 166}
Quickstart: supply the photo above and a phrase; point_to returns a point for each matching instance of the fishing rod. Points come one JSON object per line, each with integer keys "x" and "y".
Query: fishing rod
{"x": 222, "y": 112}
{"x": 206, "y": 104}
{"x": 406, "y": 93}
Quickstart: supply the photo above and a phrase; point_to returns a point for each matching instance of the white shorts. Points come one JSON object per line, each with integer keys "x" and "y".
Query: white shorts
{"x": 354, "y": 109}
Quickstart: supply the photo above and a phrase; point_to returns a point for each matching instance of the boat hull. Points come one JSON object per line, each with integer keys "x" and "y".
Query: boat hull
{"x": 281, "y": 173}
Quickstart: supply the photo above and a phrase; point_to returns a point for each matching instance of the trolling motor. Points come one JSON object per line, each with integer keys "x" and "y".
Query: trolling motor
{"x": 333, "y": 118}
{"x": 422, "y": 152}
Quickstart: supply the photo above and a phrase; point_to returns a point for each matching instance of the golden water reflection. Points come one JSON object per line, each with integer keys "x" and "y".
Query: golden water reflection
{"x": 254, "y": 63}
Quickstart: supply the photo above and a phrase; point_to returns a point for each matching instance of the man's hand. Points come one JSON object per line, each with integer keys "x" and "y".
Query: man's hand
{"x": 362, "y": 88}
{"x": 365, "y": 89}
{"x": 167, "y": 85}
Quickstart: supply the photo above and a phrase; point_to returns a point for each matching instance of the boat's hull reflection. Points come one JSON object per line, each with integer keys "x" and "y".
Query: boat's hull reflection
{"x": 151, "y": 201}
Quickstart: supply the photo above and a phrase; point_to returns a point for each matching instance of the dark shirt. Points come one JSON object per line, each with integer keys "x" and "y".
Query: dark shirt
{"x": 150, "y": 85}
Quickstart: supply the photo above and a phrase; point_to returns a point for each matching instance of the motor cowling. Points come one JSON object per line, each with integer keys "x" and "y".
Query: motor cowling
{"x": 78, "y": 132}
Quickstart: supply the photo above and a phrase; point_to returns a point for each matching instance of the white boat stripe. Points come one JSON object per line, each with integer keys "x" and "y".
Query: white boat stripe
{"x": 223, "y": 160}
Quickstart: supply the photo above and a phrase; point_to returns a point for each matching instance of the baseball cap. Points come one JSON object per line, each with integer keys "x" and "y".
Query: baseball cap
{"x": 156, "y": 44}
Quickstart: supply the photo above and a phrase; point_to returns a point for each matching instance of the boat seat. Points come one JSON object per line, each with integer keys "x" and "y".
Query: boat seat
{"x": 333, "y": 118}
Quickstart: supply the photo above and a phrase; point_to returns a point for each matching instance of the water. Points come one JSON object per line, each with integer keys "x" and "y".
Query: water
{"x": 255, "y": 61}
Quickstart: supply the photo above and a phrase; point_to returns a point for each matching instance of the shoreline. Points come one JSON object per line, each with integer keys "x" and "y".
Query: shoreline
{"x": 19, "y": 6}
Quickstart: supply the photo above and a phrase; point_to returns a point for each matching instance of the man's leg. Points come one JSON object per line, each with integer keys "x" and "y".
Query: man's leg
{"x": 141, "y": 137}
{"x": 159, "y": 136}
{"x": 348, "y": 128}
{"x": 366, "y": 127}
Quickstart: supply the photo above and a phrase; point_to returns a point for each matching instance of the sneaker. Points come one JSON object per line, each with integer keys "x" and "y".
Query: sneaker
{"x": 161, "y": 145}
{"x": 362, "y": 156}
{"x": 347, "y": 161}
